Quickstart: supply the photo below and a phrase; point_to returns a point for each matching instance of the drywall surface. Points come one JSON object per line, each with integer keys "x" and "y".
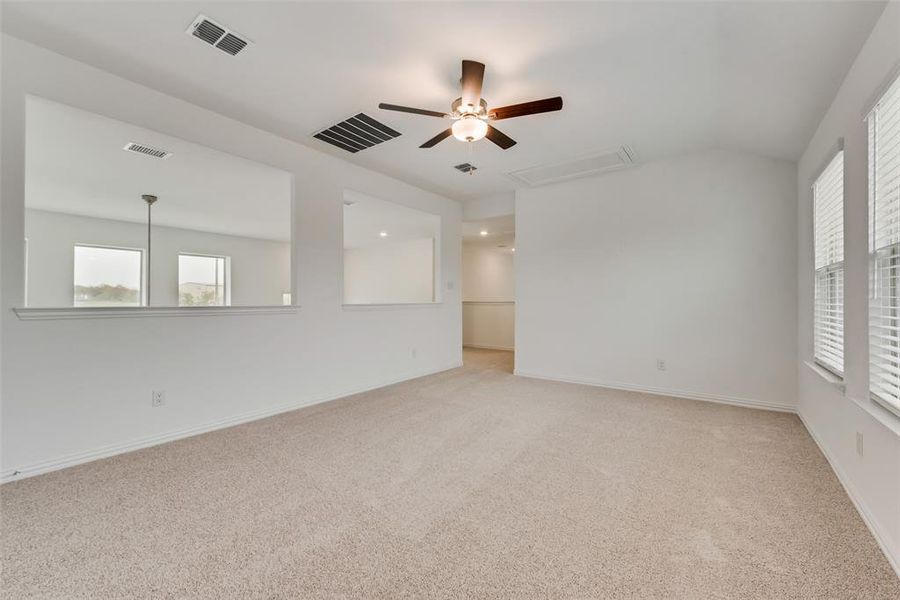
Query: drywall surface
{"x": 487, "y": 207}
{"x": 389, "y": 272}
{"x": 835, "y": 416}
{"x": 260, "y": 269}
{"x": 689, "y": 261}
{"x": 73, "y": 390}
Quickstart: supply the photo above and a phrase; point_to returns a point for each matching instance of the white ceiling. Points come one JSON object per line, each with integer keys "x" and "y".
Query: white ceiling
{"x": 365, "y": 218}
{"x": 75, "y": 164}
{"x": 665, "y": 77}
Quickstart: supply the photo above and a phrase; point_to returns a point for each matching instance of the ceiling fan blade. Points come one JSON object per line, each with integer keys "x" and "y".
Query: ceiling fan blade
{"x": 415, "y": 111}
{"x": 438, "y": 138}
{"x": 500, "y": 138}
{"x": 526, "y": 108}
{"x": 472, "y": 78}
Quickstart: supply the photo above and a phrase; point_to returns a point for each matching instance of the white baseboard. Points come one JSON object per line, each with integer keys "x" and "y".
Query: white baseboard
{"x": 71, "y": 460}
{"x": 719, "y": 399}
{"x": 488, "y": 347}
{"x": 892, "y": 554}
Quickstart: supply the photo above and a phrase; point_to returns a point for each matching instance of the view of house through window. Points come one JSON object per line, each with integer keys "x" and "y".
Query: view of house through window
{"x": 108, "y": 276}
{"x": 203, "y": 280}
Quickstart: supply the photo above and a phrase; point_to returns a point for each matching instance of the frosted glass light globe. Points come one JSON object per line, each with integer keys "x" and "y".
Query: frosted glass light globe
{"x": 469, "y": 129}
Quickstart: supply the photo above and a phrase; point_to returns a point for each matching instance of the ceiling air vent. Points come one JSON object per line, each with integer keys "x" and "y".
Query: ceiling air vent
{"x": 146, "y": 150}
{"x": 356, "y": 133}
{"x": 466, "y": 168}
{"x": 217, "y": 35}
{"x": 594, "y": 164}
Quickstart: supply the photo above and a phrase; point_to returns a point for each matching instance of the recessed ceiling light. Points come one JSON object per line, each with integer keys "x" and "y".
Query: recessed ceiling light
{"x": 383, "y": 234}
{"x": 513, "y": 250}
{"x": 483, "y": 232}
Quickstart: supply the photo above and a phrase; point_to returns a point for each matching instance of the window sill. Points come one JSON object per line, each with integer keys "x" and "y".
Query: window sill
{"x": 880, "y": 412}
{"x": 110, "y": 312}
{"x": 826, "y": 375}
{"x": 395, "y": 306}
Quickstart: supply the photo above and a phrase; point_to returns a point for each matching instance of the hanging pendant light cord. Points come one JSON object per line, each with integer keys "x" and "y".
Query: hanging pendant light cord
{"x": 149, "y": 199}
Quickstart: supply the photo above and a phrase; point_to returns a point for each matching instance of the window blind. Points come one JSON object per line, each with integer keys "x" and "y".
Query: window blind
{"x": 828, "y": 315}
{"x": 884, "y": 247}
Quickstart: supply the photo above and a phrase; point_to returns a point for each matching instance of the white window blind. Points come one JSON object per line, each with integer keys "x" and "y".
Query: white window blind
{"x": 828, "y": 326}
{"x": 884, "y": 248}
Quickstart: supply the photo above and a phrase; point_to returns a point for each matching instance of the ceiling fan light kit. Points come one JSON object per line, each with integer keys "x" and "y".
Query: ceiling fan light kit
{"x": 469, "y": 129}
{"x": 471, "y": 115}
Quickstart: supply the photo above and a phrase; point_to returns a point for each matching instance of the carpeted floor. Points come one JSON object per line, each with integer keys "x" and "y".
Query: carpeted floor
{"x": 471, "y": 483}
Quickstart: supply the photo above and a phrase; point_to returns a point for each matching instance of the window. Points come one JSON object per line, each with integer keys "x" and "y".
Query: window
{"x": 828, "y": 324}
{"x": 108, "y": 276}
{"x": 884, "y": 248}
{"x": 203, "y": 280}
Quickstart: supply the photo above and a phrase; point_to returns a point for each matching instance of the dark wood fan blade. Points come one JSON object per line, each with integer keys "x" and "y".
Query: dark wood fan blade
{"x": 500, "y": 138}
{"x": 438, "y": 138}
{"x": 526, "y": 108}
{"x": 415, "y": 111}
{"x": 472, "y": 78}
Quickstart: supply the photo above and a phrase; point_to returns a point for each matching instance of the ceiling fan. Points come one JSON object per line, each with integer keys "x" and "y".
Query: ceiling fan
{"x": 470, "y": 112}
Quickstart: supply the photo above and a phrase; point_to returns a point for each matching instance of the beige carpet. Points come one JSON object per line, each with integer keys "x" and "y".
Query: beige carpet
{"x": 467, "y": 484}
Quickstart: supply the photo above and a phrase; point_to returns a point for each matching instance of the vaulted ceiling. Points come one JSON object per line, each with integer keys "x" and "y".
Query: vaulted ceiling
{"x": 664, "y": 78}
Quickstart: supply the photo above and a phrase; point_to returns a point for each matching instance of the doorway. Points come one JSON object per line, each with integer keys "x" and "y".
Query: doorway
{"x": 488, "y": 291}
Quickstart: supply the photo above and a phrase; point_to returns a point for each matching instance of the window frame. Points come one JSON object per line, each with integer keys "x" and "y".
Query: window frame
{"x": 891, "y": 251}
{"x": 831, "y": 270}
{"x": 226, "y": 278}
{"x": 142, "y": 293}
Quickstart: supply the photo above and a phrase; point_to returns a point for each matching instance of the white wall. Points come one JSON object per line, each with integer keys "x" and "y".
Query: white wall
{"x": 77, "y": 389}
{"x": 487, "y": 207}
{"x": 833, "y": 417}
{"x": 488, "y": 297}
{"x": 690, "y": 260}
{"x": 487, "y": 274}
{"x": 389, "y": 272}
{"x": 260, "y": 269}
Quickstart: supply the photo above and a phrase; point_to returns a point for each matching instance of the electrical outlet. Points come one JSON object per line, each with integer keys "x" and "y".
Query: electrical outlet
{"x": 660, "y": 364}
{"x": 158, "y": 398}
{"x": 415, "y": 352}
{"x": 451, "y": 285}
{"x": 859, "y": 443}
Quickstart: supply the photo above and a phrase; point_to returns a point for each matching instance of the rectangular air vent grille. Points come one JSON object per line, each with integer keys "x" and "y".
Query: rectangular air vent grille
{"x": 466, "y": 168}
{"x": 214, "y": 34}
{"x": 583, "y": 167}
{"x": 146, "y": 150}
{"x": 231, "y": 44}
{"x": 356, "y": 133}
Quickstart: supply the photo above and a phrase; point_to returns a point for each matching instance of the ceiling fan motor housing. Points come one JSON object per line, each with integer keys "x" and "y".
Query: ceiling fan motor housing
{"x": 458, "y": 110}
